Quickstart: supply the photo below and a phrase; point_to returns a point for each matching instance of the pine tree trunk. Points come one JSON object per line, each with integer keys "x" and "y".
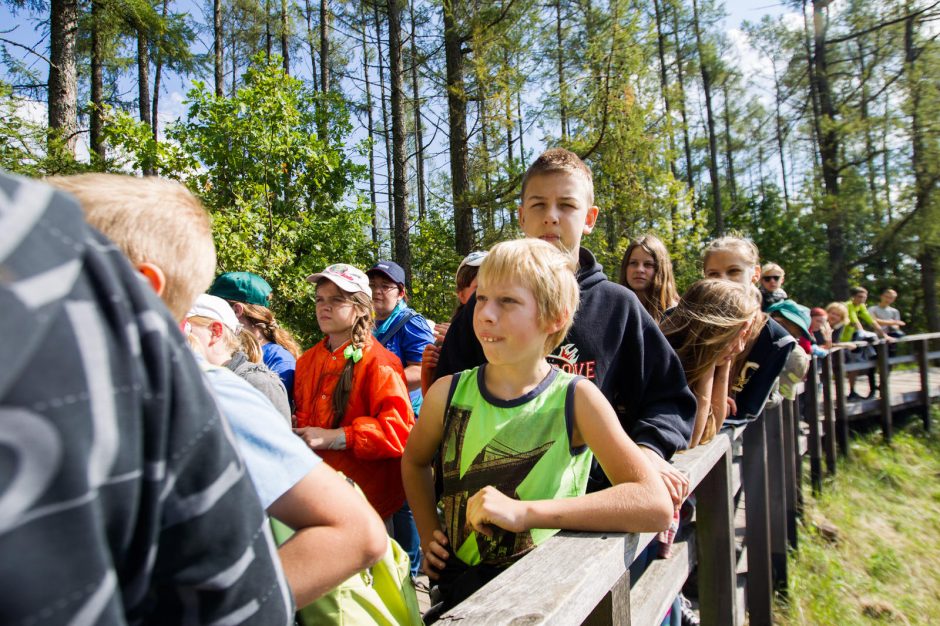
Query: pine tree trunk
{"x": 664, "y": 89}
{"x": 313, "y": 49}
{"x": 925, "y": 181}
{"x": 419, "y": 124}
{"x": 285, "y": 47}
{"x": 157, "y": 74}
{"x": 217, "y": 49}
{"x": 370, "y": 129}
{"x": 400, "y": 156}
{"x": 325, "y": 45}
{"x": 729, "y": 149}
{"x": 710, "y": 119}
{"x": 680, "y": 75}
{"x": 143, "y": 82}
{"x": 457, "y": 122}
{"x": 267, "y": 29}
{"x": 562, "y": 89}
{"x": 385, "y": 133}
{"x": 97, "y": 82}
{"x": 828, "y": 156}
{"x": 63, "y": 70}
{"x": 778, "y": 123}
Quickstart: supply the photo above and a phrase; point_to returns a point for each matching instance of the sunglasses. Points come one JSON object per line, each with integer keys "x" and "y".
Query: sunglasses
{"x": 769, "y": 278}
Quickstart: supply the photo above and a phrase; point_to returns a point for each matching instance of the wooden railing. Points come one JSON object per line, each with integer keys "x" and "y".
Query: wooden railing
{"x": 578, "y": 577}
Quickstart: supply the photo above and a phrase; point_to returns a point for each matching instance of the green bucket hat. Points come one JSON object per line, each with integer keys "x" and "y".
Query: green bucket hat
{"x": 796, "y": 313}
{"x": 241, "y": 287}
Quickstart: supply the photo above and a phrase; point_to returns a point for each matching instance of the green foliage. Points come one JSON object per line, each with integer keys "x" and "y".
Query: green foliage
{"x": 280, "y": 195}
{"x": 434, "y": 264}
{"x": 885, "y": 501}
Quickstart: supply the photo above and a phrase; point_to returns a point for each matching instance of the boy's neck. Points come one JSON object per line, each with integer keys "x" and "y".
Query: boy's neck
{"x": 511, "y": 381}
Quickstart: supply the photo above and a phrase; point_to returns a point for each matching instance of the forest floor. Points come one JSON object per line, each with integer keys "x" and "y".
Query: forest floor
{"x": 869, "y": 543}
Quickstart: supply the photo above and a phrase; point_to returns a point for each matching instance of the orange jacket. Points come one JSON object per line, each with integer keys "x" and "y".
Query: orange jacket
{"x": 377, "y": 421}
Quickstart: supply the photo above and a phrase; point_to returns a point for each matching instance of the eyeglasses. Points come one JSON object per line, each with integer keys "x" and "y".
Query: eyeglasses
{"x": 382, "y": 287}
{"x": 767, "y": 279}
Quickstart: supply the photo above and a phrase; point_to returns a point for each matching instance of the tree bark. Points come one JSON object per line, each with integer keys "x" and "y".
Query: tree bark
{"x": 63, "y": 70}
{"x": 325, "y": 45}
{"x": 217, "y": 49}
{"x": 829, "y": 155}
{"x": 143, "y": 83}
{"x": 664, "y": 89}
{"x": 400, "y": 156}
{"x": 267, "y": 29}
{"x": 285, "y": 47}
{"x": 97, "y": 82}
{"x": 779, "y": 134}
{"x": 313, "y": 50}
{"x": 370, "y": 129}
{"x": 385, "y": 134}
{"x": 729, "y": 148}
{"x": 157, "y": 74}
{"x": 457, "y": 122}
{"x": 680, "y": 75}
{"x": 562, "y": 88}
{"x": 704, "y": 65}
{"x": 419, "y": 125}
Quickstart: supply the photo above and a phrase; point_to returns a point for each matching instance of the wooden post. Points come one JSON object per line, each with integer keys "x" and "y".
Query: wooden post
{"x": 717, "y": 579}
{"x": 842, "y": 418}
{"x": 776, "y": 495}
{"x": 884, "y": 375}
{"x": 757, "y": 520}
{"x": 798, "y": 451}
{"x": 923, "y": 362}
{"x": 614, "y": 608}
{"x": 829, "y": 426}
{"x": 790, "y": 451}
{"x": 812, "y": 416}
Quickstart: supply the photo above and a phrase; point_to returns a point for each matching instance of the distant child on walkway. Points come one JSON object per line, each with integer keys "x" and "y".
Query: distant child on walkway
{"x": 515, "y": 436}
{"x": 647, "y": 271}
{"x": 755, "y": 370}
{"x": 352, "y": 403}
{"x": 708, "y": 329}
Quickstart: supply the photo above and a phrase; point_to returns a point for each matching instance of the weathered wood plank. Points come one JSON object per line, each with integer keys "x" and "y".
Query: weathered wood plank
{"x": 757, "y": 536}
{"x": 776, "y": 495}
{"x": 842, "y": 418}
{"x": 828, "y": 416}
{"x": 812, "y": 417}
{"x": 716, "y": 554}
{"x": 790, "y": 447}
{"x": 884, "y": 381}
{"x": 923, "y": 363}
{"x": 614, "y": 608}
{"x": 659, "y": 585}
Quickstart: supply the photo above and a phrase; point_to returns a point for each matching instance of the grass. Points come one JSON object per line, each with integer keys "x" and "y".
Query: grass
{"x": 882, "y": 567}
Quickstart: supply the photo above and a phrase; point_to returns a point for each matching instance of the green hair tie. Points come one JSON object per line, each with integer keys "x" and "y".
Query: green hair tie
{"x": 352, "y": 353}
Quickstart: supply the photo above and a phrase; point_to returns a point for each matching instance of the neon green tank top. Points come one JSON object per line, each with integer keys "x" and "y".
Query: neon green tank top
{"x": 522, "y": 447}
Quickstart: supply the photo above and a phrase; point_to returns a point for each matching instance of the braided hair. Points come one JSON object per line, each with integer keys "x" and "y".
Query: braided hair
{"x": 262, "y": 318}
{"x": 360, "y": 333}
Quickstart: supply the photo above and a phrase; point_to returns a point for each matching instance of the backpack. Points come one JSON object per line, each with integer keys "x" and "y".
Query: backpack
{"x": 382, "y": 594}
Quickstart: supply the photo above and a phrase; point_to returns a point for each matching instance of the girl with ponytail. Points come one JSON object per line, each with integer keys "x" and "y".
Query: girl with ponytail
{"x": 351, "y": 401}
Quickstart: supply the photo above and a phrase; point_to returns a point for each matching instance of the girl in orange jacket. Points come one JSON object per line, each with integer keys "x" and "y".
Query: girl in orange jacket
{"x": 352, "y": 405}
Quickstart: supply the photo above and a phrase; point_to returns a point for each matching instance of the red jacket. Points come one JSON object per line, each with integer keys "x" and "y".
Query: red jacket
{"x": 377, "y": 421}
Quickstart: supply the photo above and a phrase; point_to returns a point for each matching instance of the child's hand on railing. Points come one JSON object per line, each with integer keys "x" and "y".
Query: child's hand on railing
{"x": 490, "y": 507}
{"x": 677, "y": 484}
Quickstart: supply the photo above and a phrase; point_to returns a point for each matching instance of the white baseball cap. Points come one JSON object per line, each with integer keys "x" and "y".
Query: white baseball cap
{"x": 346, "y": 277}
{"x": 474, "y": 259}
{"x": 215, "y": 308}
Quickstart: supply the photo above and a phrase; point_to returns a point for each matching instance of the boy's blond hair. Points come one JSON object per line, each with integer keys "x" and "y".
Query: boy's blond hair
{"x": 770, "y": 267}
{"x": 151, "y": 220}
{"x": 741, "y": 246}
{"x": 546, "y": 272}
{"x": 556, "y": 160}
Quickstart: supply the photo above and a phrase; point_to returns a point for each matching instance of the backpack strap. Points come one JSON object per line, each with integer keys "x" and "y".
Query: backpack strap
{"x": 399, "y": 323}
{"x": 438, "y": 463}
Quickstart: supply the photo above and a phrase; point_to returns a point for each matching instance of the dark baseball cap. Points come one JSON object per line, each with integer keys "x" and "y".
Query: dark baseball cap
{"x": 241, "y": 287}
{"x": 390, "y": 269}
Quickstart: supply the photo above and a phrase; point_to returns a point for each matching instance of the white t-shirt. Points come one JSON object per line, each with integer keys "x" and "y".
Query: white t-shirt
{"x": 886, "y": 313}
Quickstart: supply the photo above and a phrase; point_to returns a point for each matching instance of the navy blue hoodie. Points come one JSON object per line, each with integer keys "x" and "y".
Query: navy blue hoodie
{"x": 615, "y": 344}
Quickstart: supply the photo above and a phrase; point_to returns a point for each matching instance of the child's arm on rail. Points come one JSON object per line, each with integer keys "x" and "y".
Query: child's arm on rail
{"x": 703, "y": 399}
{"x": 423, "y": 443}
{"x": 637, "y": 502}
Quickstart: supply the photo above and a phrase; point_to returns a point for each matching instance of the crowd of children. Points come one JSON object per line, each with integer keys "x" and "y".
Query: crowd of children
{"x": 553, "y": 399}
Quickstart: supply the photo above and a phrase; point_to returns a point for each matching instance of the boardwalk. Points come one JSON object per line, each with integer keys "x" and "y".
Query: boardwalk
{"x": 749, "y": 488}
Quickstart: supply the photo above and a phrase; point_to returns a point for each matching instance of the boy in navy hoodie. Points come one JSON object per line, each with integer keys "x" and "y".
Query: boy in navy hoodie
{"x": 613, "y": 342}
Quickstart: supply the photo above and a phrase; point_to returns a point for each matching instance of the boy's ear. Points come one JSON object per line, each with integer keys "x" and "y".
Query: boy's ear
{"x": 590, "y": 219}
{"x": 216, "y": 329}
{"x": 238, "y": 308}
{"x": 557, "y": 324}
{"x": 154, "y": 276}
{"x": 756, "y": 279}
